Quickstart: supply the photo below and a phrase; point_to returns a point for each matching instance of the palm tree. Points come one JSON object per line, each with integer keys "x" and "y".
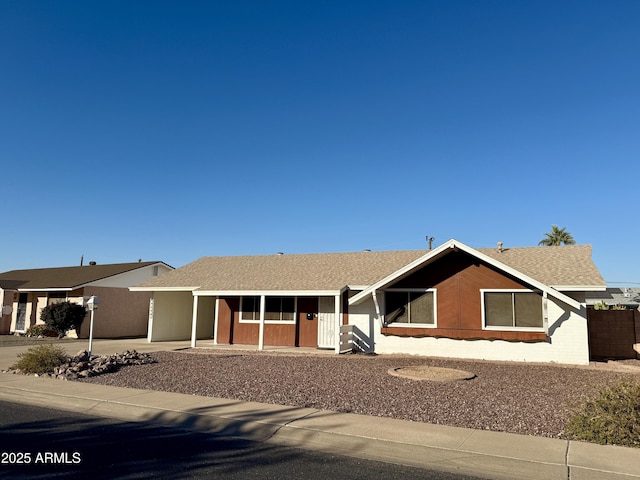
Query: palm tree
{"x": 557, "y": 237}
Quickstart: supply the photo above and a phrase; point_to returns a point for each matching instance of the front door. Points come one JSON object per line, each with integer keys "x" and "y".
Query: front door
{"x": 22, "y": 312}
{"x": 326, "y": 322}
{"x": 307, "y": 325}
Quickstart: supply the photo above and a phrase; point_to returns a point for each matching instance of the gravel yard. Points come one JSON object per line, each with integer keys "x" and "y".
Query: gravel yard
{"x": 530, "y": 399}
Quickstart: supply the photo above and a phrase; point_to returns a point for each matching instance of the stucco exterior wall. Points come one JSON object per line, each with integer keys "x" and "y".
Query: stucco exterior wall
{"x": 568, "y": 339}
{"x": 172, "y": 315}
{"x": 120, "y": 313}
{"x": 206, "y": 309}
{"x": 6, "y": 299}
{"x": 125, "y": 280}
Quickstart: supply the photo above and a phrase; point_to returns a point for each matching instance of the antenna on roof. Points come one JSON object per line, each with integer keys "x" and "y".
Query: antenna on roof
{"x": 81, "y": 260}
{"x": 430, "y": 240}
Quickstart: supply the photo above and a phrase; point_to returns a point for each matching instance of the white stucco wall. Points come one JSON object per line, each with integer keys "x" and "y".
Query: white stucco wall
{"x": 127, "y": 279}
{"x": 569, "y": 342}
{"x": 172, "y": 315}
{"x": 206, "y": 308}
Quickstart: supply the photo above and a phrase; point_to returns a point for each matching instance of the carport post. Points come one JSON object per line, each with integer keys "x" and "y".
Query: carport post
{"x": 261, "y": 334}
{"x": 338, "y": 323}
{"x": 215, "y": 321}
{"x": 194, "y": 321}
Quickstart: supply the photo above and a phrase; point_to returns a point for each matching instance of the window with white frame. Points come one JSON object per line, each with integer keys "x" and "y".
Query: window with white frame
{"x": 280, "y": 309}
{"x": 410, "y": 307}
{"x": 276, "y": 309}
{"x": 512, "y": 309}
{"x": 250, "y": 308}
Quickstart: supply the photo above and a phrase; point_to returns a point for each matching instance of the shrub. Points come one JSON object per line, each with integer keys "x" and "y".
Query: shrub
{"x": 41, "y": 359}
{"x": 40, "y": 331}
{"x": 612, "y": 418}
{"x": 63, "y": 316}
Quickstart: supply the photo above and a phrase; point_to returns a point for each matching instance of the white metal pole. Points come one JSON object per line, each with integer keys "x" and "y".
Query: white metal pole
{"x": 91, "y": 334}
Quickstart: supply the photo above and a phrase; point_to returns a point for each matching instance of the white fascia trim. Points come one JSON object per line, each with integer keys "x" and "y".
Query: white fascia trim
{"x": 480, "y": 256}
{"x": 580, "y": 288}
{"x": 266, "y": 293}
{"x": 357, "y": 287}
{"x": 64, "y": 289}
{"x": 162, "y": 289}
{"x": 406, "y": 269}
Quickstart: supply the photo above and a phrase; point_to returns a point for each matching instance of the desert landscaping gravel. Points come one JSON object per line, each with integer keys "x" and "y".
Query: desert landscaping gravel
{"x": 530, "y": 399}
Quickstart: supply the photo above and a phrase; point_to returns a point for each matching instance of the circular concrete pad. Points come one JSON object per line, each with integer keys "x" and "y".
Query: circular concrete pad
{"x": 434, "y": 374}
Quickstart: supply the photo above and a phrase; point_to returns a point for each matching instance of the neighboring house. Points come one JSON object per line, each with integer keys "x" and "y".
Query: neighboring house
{"x": 626, "y": 296}
{"x": 520, "y": 304}
{"x": 121, "y": 313}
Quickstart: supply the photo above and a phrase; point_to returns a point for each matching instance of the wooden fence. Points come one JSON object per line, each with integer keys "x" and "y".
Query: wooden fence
{"x": 613, "y": 333}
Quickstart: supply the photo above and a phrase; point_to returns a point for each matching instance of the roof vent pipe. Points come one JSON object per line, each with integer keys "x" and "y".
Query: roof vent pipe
{"x": 500, "y": 247}
{"x": 92, "y": 263}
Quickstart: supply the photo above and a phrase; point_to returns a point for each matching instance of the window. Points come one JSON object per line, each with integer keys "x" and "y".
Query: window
{"x": 281, "y": 309}
{"x": 276, "y": 309}
{"x": 410, "y": 307}
{"x": 512, "y": 309}
{"x": 56, "y": 297}
{"x": 250, "y": 308}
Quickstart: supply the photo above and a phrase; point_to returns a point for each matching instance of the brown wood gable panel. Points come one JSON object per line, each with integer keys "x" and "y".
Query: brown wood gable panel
{"x": 458, "y": 279}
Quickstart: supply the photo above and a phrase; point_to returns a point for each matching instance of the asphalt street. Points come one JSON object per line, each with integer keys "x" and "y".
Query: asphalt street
{"x": 37, "y": 442}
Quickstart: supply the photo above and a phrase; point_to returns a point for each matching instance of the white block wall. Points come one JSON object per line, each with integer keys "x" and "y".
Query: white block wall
{"x": 569, "y": 342}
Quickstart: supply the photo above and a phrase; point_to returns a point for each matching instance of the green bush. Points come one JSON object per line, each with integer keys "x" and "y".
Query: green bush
{"x": 612, "y": 418}
{"x": 40, "y": 330}
{"x": 41, "y": 359}
{"x": 63, "y": 316}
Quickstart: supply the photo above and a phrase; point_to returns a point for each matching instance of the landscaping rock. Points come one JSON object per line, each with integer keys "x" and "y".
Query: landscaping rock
{"x": 83, "y": 366}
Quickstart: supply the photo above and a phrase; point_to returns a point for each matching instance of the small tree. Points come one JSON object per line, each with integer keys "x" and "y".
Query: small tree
{"x": 63, "y": 316}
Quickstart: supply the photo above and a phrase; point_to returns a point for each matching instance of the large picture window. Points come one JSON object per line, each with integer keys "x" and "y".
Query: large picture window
{"x": 410, "y": 307}
{"x": 276, "y": 309}
{"x": 513, "y": 309}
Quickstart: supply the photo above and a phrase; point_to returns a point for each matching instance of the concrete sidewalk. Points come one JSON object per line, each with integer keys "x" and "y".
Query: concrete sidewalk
{"x": 473, "y": 452}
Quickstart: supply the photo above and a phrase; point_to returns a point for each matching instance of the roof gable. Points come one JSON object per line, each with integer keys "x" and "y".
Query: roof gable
{"x": 454, "y": 245}
{"x": 65, "y": 278}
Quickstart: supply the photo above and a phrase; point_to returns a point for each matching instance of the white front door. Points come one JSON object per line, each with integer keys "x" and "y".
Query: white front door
{"x": 326, "y": 322}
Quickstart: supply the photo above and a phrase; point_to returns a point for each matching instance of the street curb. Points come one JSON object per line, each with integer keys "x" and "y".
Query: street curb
{"x": 464, "y": 451}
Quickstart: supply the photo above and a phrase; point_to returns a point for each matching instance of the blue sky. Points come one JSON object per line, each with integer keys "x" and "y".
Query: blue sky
{"x": 174, "y": 130}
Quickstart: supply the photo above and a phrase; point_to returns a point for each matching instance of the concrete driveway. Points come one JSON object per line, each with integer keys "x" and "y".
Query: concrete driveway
{"x": 9, "y": 354}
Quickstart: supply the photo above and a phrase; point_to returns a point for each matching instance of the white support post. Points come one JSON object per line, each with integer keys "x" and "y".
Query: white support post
{"x": 338, "y": 323}
{"x": 194, "y": 322}
{"x": 261, "y": 334}
{"x": 150, "y": 324}
{"x": 377, "y": 305}
{"x": 215, "y": 321}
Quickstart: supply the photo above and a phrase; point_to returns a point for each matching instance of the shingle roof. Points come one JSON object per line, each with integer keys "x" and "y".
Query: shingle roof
{"x": 561, "y": 266}
{"x": 566, "y": 266}
{"x": 64, "y": 277}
